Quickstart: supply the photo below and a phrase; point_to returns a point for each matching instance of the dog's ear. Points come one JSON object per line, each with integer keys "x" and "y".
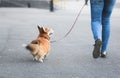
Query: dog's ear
{"x": 41, "y": 30}
{"x": 50, "y": 31}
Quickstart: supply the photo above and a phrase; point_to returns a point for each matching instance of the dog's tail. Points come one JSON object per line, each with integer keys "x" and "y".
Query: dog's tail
{"x": 27, "y": 47}
{"x": 30, "y": 47}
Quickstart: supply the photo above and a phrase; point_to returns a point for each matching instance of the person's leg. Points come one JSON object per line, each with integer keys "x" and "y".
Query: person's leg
{"x": 107, "y": 10}
{"x": 96, "y": 16}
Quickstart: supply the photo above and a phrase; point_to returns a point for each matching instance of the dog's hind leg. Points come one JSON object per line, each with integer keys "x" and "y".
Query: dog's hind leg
{"x": 40, "y": 58}
{"x": 35, "y": 58}
{"x": 46, "y": 55}
{"x": 34, "y": 54}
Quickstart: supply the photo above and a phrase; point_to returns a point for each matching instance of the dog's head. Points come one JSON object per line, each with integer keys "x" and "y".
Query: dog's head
{"x": 45, "y": 31}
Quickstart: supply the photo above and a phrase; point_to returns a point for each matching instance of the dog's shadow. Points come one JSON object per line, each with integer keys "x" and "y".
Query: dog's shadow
{"x": 29, "y": 60}
{"x": 19, "y": 60}
{"x": 32, "y": 61}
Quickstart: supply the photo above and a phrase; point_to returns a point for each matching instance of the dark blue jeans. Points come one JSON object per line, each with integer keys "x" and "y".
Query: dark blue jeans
{"x": 100, "y": 20}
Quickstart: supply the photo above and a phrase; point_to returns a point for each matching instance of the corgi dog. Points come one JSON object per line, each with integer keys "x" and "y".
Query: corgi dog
{"x": 40, "y": 47}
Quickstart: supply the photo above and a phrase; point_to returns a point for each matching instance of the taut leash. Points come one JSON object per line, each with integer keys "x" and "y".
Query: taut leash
{"x": 72, "y": 26}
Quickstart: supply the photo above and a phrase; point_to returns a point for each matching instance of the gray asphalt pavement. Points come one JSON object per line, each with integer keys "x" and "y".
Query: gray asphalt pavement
{"x": 69, "y": 58}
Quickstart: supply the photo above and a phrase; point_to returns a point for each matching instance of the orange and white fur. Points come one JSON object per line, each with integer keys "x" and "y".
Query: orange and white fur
{"x": 40, "y": 47}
